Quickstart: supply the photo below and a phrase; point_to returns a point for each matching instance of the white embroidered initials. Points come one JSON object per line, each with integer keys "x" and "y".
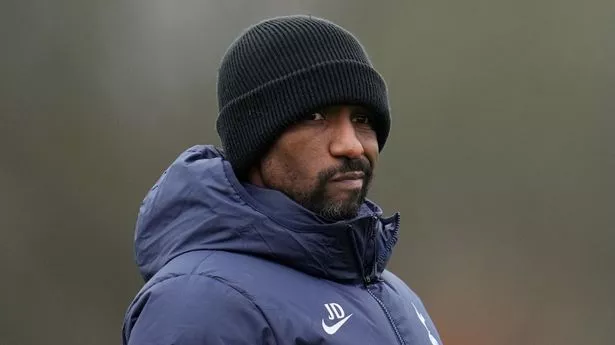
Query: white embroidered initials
{"x": 336, "y": 312}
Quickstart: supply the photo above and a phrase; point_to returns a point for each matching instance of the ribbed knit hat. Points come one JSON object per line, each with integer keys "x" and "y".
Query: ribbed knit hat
{"x": 282, "y": 69}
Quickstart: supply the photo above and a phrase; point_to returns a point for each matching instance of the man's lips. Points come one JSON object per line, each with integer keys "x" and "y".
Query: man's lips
{"x": 349, "y": 176}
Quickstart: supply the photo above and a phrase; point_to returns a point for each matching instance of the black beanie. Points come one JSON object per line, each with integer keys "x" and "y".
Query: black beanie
{"x": 282, "y": 69}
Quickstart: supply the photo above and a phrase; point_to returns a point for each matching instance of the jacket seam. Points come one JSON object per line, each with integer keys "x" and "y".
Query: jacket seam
{"x": 246, "y": 296}
{"x": 389, "y": 317}
{"x": 223, "y": 282}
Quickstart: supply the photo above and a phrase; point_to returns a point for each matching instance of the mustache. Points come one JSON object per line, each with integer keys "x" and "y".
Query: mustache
{"x": 348, "y": 165}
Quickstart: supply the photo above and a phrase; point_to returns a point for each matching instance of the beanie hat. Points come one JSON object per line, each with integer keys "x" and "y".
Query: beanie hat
{"x": 282, "y": 69}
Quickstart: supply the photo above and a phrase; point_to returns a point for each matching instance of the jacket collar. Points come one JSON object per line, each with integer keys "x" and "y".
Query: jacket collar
{"x": 198, "y": 203}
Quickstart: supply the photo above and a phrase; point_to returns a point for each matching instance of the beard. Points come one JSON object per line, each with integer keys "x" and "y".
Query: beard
{"x": 318, "y": 199}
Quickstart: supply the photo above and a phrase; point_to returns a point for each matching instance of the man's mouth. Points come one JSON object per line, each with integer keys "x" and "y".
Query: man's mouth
{"x": 349, "y": 176}
{"x": 349, "y": 180}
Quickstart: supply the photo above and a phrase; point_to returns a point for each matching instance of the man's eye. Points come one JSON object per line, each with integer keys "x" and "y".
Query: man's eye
{"x": 316, "y": 117}
{"x": 363, "y": 119}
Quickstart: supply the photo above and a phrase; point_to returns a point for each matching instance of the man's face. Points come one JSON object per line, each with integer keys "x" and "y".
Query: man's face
{"x": 324, "y": 162}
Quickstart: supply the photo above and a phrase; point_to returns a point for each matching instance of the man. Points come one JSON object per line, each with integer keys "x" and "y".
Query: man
{"x": 271, "y": 239}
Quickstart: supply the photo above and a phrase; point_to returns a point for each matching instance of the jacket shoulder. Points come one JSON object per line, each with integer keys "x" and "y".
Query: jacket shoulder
{"x": 400, "y": 287}
{"x": 412, "y": 298}
{"x": 194, "y": 308}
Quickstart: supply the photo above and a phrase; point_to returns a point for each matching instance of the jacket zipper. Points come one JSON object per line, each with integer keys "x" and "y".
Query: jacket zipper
{"x": 367, "y": 279}
{"x": 388, "y": 315}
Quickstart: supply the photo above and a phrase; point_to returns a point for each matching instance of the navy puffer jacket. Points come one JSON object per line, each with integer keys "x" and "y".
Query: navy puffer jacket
{"x": 232, "y": 263}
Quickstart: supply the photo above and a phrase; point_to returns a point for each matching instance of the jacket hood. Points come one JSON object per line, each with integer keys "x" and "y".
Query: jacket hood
{"x": 199, "y": 204}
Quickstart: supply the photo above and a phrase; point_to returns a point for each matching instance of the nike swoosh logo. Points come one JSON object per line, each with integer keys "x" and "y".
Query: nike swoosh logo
{"x": 332, "y": 329}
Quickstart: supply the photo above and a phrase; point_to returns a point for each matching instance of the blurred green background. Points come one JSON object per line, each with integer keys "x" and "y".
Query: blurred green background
{"x": 501, "y": 158}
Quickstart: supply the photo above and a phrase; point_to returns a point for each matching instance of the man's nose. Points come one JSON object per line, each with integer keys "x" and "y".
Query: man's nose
{"x": 344, "y": 140}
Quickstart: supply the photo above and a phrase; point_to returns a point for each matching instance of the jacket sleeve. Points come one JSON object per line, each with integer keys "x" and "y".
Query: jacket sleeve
{"x": 195, "y": 310}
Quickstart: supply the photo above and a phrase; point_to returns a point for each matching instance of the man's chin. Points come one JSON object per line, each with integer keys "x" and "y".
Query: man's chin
{"x": 342, "y": 209}
{"x": 335, "y": 204}
{"x": 339, "y": 214}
